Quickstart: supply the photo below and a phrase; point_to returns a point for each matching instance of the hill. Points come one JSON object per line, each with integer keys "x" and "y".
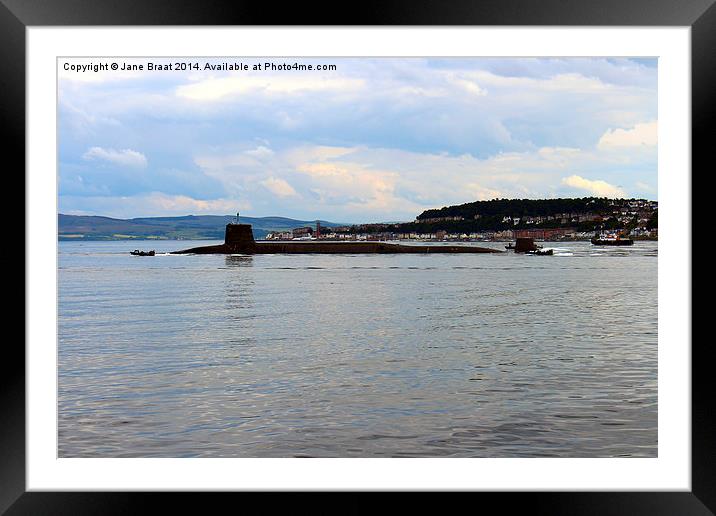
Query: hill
{"x": 582, "y": 214}
{"x": 189, "y": 227}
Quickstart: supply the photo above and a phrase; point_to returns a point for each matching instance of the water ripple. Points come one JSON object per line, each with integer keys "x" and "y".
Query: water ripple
{"x": 357, "y": 356}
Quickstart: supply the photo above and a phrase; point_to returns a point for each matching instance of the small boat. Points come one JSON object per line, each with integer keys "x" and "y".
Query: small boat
{"x": 137, "y": 252}
{"x": 510, "y": 246}
{"x": 611, "y": 240}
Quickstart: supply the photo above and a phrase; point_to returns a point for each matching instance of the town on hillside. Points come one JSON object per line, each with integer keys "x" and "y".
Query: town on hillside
{"x": 502, "y": 220}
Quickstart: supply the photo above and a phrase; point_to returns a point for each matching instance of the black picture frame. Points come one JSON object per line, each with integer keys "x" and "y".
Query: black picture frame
{"x": 700, "y": 15}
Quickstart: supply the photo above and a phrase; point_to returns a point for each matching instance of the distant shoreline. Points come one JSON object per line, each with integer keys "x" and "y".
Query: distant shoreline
{"x": 82, "y": 238}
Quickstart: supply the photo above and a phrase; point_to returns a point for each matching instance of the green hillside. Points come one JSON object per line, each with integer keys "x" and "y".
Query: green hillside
{"x": 190, "y": 227}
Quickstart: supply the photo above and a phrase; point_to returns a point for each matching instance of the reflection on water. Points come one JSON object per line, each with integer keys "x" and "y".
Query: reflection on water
{"x": 239, "y": 260}
{"x": 239, "y": 287}
{"x": 357, "y": 355}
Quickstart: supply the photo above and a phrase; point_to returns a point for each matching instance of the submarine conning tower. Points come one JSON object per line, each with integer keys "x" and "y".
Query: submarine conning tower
{"x": 239, "y": 238}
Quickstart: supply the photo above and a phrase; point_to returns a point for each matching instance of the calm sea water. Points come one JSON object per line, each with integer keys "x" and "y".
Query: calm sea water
{"x": 464, "y": 355}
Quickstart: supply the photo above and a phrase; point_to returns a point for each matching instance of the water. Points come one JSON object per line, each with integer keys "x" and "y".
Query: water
{"x": 466, "y": 355}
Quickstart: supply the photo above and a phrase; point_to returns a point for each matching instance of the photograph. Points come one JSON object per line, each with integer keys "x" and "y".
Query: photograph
{"x": 357, "y": 257}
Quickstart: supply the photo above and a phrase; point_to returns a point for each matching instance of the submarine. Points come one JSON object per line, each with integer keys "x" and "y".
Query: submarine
{"x": 239, "y": 239}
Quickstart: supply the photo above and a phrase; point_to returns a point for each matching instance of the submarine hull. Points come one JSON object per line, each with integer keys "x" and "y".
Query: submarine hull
{"x": 239, "y": 240}
{"x": 334, "y": 248}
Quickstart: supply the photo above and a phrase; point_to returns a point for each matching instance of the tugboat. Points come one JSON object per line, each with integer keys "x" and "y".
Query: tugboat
{"x": 611, "y": 240}
{"x": 137, "y": 252}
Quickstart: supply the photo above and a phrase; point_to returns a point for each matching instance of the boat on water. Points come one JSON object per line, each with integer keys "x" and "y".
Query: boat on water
{"x": 528, "y": 246}
{"x": 611, "y": 240}
{"x": 137, "y": 252}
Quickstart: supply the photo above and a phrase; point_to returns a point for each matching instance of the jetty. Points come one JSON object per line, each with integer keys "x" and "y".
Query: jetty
{"x": 239, "y": 239}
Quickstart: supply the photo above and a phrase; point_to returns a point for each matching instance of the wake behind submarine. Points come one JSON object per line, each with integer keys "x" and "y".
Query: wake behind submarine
{"x": 239, "y": 239}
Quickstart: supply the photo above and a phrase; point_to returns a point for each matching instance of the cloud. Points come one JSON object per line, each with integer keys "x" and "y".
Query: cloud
{"x": 86, "y": 123}
{"x": 479, "y": 193}
{"x": 216, "y": 89}
{"x": 560, "y": 156}
{"x": 318, "y": 153}
{"x": 149, "y": 205}
{"x": 363, "y": 183}
{"x": 432, "y": 105}
{"x": 126, "y": 157}
{"x": 564, "y": 82}
{"x": 643, "y": 134}
{"x": 259, "y": 152}
{"x": 279, "y": 187}
{"x": 597, "y": 187}
{"x": 376, "y": 139}
{"x": 469, "y": 86}
{"x": 353, "y": 183}
{"x": 401, "y": 183}
{"x": 186, "y": 204}
{"x": 645, "y": 187}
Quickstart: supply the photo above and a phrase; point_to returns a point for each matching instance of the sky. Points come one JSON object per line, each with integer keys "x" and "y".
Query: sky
{"x": 374, "y": 140}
